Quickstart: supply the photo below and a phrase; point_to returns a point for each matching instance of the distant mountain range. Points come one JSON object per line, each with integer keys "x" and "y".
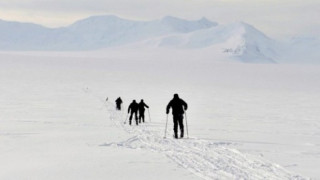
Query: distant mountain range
{"x": 239, "y": 40}
{"x": 92, "y": 33}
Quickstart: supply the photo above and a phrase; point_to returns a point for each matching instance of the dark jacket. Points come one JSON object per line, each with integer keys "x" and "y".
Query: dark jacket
{"x": 133, "y": 107}
{"x": 178, "y": 106}
{"x": 141, "y": 106}
{"x": 119, "y": 101}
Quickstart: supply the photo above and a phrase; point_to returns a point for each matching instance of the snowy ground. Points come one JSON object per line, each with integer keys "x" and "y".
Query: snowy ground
{"x": 246, "y": 121}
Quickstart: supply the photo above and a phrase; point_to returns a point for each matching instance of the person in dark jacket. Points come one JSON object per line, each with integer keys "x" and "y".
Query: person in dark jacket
{"x": 118, "y": 103}
{"x": 133, "y": 109}
{"x": 142, "y": 106}
{"x": 178, "y": 107}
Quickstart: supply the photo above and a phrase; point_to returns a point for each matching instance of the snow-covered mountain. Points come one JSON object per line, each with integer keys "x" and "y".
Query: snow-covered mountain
{"x": 22, "y": 36}
{"x": 249, "y": 44}
{"x": 92, "y": 33}
{"x": 240, "y": 41}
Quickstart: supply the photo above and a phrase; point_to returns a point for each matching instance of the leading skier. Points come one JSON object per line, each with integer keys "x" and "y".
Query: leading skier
{"x": 178, "y": 107}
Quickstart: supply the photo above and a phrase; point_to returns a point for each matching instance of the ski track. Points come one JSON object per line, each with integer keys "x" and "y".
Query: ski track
{"x": 207, "y": 160}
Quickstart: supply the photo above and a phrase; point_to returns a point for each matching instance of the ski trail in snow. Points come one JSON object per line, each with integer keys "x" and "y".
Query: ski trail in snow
{"x": 207, "y": 160}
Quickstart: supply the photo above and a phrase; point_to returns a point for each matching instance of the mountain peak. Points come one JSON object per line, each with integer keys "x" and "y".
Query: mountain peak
{"x": 204, "y": 20}
{"x": 185, "y": 26}
{"x": 103, "y": 19}
{"x": 243, "y": 25}
{"x": 247, "y": 29}
{"x": 172, "y": 19}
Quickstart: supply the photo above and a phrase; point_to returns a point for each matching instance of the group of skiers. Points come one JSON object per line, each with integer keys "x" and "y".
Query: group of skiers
{"x": 177, "y": 105}
{"x": 134, "y": 109}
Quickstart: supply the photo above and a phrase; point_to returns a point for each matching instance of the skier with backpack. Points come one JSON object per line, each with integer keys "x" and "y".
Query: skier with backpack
{"x": 133, "y": 109}
{"x": 178, "y": 107}
{"x": 118, "y": 103}
{"x": 142, "y": 106}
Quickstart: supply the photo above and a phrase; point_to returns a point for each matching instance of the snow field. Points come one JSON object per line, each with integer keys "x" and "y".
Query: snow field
{"x": 208, "y": 160}
{"x": 244, "y": 119}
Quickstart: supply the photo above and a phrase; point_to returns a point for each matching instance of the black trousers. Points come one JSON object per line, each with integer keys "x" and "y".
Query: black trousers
{"x": 178, "y": 121}
{"x": 118, "y": 106}
{"x": 135, "y": 115}
{"x": 141, "y": 116}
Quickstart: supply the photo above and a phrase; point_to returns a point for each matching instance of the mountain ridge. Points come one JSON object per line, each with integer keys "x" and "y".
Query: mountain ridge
{"x": 92, "y": 33}
{"x": 238, "y": 40}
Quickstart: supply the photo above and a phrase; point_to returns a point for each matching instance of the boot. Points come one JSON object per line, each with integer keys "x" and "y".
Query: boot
{"x": 175, "y": 135}
{"x": 181, "y": 135}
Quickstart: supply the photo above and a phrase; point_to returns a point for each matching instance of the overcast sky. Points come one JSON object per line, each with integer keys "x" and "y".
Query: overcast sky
{"x": 277, "y": 18}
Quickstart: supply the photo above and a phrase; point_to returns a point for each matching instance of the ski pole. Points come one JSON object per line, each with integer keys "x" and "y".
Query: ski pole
{"x": 126, "y": 119}
{"x": 165, "y": 132}
{"x": 186, "y": 124}
{"x": 149, "y": 115}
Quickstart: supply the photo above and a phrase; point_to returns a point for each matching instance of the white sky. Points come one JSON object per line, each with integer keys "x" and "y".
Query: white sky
{"x": 277, "y": 18}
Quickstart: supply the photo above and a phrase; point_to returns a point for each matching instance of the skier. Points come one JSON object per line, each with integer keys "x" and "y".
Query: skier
{"x": 118, "y": 103}
{"x": 178, "y": 107}
{"x": 133, "y": 109}
{"x": 141, "y": 110}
